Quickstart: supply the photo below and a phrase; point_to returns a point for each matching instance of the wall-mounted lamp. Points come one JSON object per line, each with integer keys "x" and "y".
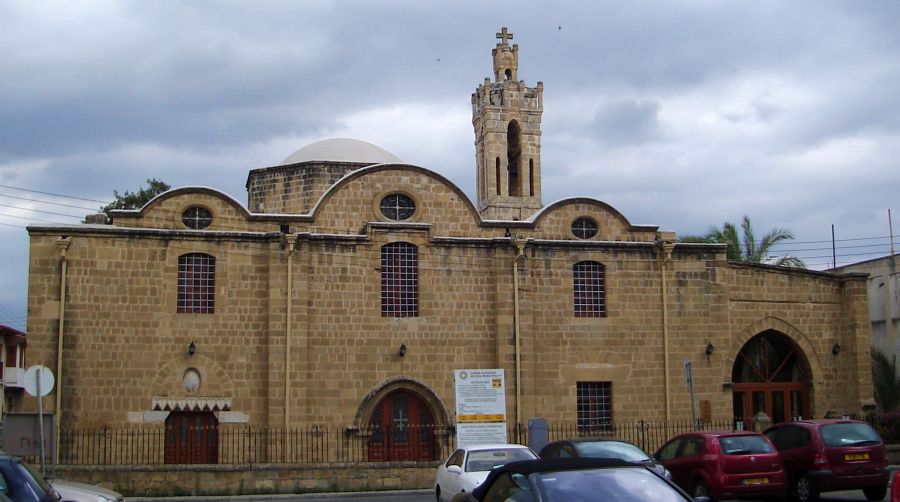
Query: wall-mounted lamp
{"x": 402, "y": 349}
{"x": 709, "y": 350}
{"x": 836, "y": 349}
{"x": 192, "y": 348}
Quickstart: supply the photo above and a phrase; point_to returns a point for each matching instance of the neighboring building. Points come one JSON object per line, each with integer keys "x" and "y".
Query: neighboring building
{"x": 13, "y": 357}
{"x": 884, "y": 300}
{"x": 355, "y": 284}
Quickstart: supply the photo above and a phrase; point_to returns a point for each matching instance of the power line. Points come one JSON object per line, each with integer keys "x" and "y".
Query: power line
{"x": 33, "y": 219}
{"x": 47, "y": 202}
{"x": 54, "y": 194}
{"x": 40, "y": 211}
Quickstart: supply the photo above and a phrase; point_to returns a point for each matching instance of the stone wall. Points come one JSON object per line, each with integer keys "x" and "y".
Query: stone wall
{"x": 220, "y": 480}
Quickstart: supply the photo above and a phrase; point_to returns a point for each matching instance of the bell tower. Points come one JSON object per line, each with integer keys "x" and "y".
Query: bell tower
{"x": 506, "y": 115}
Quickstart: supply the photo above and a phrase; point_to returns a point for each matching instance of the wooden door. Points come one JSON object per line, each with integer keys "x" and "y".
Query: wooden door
{"x": 192, "y": 437}
{"x": 402, "y": 428}
{"x": 770, "y": 375}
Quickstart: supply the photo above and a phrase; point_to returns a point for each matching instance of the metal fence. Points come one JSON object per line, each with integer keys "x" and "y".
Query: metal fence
{"x": 240, "y": 444}
{"x": 228, "y": 444}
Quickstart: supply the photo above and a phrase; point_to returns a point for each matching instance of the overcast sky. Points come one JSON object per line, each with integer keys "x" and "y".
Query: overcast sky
{"x": 679, "y": 114}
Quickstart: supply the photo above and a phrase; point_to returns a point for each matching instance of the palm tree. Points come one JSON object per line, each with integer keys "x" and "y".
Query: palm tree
{"x": 746, "y": 248}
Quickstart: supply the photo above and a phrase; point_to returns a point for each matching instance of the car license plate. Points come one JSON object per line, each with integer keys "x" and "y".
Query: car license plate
{"x": 756, "y": 481}
{"x": 851, "y": 457}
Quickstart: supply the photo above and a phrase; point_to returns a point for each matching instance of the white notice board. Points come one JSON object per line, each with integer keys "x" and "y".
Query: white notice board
{"x": 480, "y": 406}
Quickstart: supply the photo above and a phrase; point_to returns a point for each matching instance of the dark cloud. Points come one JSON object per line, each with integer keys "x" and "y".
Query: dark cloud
{"x": 762, "y": 108}
{"x": 627, "y": 122}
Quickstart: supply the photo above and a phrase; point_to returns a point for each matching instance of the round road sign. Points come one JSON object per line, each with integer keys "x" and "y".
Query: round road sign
{"x": 46, "y": 380}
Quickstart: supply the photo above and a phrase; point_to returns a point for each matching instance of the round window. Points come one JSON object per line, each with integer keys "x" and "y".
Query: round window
{"x": 397, "y": 207}
{"x": 196, "y": 217}
{"x": 584, "y": 228}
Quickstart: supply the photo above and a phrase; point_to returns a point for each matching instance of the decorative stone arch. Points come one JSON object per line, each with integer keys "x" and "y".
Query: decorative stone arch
{"x": 216, "y": 388}
{"x": 771, "y": 323}
{"x": 808, "y": 359}
{"x": 378, "y": 393}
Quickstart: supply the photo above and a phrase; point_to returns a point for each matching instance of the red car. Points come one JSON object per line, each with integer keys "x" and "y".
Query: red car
{"x": 895, "y": 487}
{"x": 725, "y": 465}
{"x": 829, "y": 455}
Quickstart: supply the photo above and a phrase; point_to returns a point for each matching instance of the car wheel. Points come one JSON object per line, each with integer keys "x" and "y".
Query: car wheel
{"x": 875, "y": 492}
{"x": 701, "y": 489}
{"x": 804, "y": 489}
{"x": 437, "y": 493}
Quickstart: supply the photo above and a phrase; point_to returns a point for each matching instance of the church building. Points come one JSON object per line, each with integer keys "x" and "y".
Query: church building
{"x": 351, "y": 285}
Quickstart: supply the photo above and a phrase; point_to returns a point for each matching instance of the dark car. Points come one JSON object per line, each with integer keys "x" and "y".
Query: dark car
{"x": 22, "y": 483}
{"x": 574, "y": 479}
{"x": 721, "y": 465}
{"x": 602, "y": 448}
{"x": 829, "y": 455}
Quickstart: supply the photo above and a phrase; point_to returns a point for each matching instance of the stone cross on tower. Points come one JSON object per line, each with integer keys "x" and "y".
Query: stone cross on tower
{"x": 504, "y": 36}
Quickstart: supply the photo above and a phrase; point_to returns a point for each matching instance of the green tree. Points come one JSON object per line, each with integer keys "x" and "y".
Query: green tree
{"x": 885, "y": 381}
{"x": 136, "y": 200}
{"x": 745, "y": 247}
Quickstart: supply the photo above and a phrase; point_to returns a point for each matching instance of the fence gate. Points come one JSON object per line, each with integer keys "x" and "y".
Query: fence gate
{"x": 192, "y": 437}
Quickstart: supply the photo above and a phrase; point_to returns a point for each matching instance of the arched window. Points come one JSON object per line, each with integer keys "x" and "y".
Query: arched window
{"x": 399, "y": 280}
{"x": 196, "y": 283}
{"x": 590, "y": 289}
{"x": 514, "y": 157}
{"x": 531, "y": 177}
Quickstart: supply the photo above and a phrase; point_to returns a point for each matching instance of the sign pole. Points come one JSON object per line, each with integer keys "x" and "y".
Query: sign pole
{"x": 689, "y": 377}
{"x": 40, "y": 418}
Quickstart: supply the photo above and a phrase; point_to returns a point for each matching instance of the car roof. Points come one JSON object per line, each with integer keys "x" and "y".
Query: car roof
{"x": 493, "y": 446}
{"x": 821, "y": 421}
{"x": 527, "y": 467}
{"x": 592, "y": 440}
{"x": 721, "y": 433}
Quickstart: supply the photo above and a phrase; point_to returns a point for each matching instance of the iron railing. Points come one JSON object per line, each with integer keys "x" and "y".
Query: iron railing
{"x": 229, "y": 444}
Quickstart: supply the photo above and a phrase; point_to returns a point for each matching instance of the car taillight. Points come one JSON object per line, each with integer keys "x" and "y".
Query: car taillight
{"x": 820, "y": 461}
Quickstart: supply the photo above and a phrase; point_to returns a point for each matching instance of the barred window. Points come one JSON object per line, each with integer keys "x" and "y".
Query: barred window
{"x": 196, "y": 283}
{"x": 399, "y": 280}
{"x": 594, "y": 407}
{"x": 588, "y": 280}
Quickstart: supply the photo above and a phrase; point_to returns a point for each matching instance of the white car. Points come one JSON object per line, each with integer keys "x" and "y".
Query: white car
{"x": 73, "y": 491}
{"x": 468, "y": 467}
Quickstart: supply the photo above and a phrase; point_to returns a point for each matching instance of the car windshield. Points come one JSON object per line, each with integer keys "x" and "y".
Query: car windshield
{"x": 485, "y": 460}
{"x": 851, "y": 434}
{"x": 34, "y": 477}
{"x": 612, "y": 449}
{"x": 744, "y": 445}
{"x": 624, "y": 484}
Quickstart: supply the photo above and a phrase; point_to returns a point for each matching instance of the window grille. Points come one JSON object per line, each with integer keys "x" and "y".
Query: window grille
{"x": 196, "y": 283}
{"x": 399, "y": 280}
{"x": 196, "y": 217}
{"x": 584, "y": 228}
{"x": 398, "y": 207}
{"x": 594, "y": 407}
{"x": 588, "y": 279}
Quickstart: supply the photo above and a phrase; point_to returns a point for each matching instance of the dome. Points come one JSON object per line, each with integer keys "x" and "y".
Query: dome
{"x": 342, "y": 150}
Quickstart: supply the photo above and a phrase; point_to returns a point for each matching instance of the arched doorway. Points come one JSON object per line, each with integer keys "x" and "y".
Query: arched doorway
{"x": 192, "y": 437}
{"x": 402, "y": 428}
{"x": 770, "y": 374}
